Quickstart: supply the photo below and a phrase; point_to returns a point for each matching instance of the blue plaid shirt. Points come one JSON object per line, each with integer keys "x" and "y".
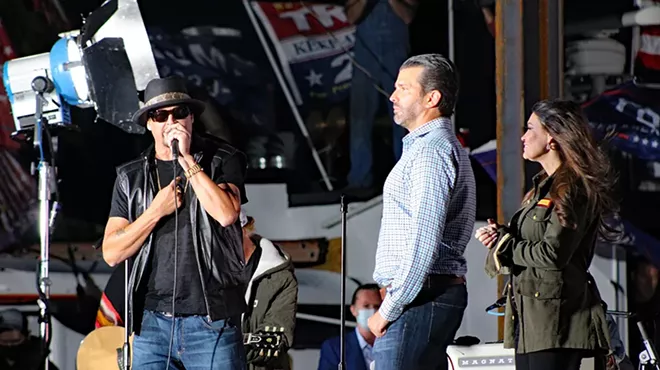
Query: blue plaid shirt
{"x": 429, "y": 206}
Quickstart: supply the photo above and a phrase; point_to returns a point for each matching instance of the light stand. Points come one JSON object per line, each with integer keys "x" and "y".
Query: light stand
{"x": 342, "y": 316}
{"x": 648, "y": 358}
{"x": 42, "y": 85}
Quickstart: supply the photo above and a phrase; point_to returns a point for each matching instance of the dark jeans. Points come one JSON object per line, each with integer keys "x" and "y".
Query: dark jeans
{"x": 381, "y": 46}
{"x": 198, "y": 343}
{"x": 564, "y": 359}
{"x": 418, "y": 339}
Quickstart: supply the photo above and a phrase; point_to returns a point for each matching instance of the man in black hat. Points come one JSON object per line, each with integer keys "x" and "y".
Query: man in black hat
{"x": 176, "y": 218}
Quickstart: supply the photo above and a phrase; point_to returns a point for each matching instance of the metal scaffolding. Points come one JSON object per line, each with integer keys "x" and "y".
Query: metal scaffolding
{"x": 510, "y": 110}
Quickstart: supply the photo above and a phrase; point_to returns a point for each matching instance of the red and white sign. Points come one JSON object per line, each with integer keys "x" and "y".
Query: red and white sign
{"x": 312, "y": 42}
{"x": 649, "y": 46}
{"x": 6, "y": 120}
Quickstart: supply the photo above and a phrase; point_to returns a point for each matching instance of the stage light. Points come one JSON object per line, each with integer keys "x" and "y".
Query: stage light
{"x": 68, "y": 71}
{"x": 17, "y": 78}
{"x": 103, "y": 66}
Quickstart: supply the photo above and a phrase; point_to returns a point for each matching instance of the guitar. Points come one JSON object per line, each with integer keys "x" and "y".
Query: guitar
{"x": 268, "y": 340}
{"x": 102, "y": 348}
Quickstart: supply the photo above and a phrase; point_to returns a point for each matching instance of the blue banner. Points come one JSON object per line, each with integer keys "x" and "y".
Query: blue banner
{"x": 634, "y": 114}
{"x": 215, "y": 59}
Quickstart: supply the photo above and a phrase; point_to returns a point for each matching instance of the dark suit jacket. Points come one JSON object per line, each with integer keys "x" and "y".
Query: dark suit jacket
{"x": 330, "y": 353}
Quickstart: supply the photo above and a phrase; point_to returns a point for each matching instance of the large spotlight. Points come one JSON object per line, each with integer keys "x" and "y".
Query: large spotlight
{"x": 18, "y": 76}
{"x": 103, "y": 66}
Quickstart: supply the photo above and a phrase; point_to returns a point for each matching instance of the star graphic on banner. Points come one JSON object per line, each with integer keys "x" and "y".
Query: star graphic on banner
{"x": 314, "y": 78}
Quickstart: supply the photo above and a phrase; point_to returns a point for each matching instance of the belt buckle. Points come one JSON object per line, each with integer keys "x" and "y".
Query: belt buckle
{"x": 167, "y": 314}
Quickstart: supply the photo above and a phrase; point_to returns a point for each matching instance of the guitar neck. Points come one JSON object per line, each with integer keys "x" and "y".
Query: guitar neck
{"x": 263, "y": 339}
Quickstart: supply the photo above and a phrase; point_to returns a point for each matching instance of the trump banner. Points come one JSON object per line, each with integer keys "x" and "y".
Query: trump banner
{"x": 313, "y": 43}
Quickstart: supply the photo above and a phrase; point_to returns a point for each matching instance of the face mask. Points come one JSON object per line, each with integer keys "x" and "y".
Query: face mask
{"x": 363, "y": 317}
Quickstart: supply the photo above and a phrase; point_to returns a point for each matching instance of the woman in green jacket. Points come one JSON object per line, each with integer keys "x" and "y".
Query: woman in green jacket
{"x": 554, "y": 316}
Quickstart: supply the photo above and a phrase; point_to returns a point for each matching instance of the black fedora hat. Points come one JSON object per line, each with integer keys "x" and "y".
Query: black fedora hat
{"x": 164, "y": 92}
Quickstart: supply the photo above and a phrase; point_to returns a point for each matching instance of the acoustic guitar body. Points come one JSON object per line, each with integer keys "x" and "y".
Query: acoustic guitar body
{"x": 99, "y": 349}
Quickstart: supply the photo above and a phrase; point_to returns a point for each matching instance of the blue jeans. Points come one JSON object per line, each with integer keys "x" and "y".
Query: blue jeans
{"x": 418, "y": 339}
{"x": 197, "y": 344}
{"x": 381, "y": 46}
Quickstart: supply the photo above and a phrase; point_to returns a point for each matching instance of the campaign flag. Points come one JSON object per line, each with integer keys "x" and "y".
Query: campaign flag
{"x": 313, "y": 43}
{"x": 633, "y": 113}
{"x": 219, "y": 60}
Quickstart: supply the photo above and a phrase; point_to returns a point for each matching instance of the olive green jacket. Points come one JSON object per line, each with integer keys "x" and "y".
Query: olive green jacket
{"x": 550, "y": 295}
{"x": 272, "y": 297}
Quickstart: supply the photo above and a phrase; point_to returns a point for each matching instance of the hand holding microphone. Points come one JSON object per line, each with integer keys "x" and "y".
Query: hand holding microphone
{"x": 178, "y": 139}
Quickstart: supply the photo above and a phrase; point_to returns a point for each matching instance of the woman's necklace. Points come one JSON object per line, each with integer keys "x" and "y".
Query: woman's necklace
{"x": 158, "y": 179}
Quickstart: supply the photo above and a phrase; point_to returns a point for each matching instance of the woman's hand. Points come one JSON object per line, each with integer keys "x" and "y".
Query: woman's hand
{"x": 487, "y": 234}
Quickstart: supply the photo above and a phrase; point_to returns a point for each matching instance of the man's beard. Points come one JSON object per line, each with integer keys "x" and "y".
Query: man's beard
{"x": 404, "y": 117}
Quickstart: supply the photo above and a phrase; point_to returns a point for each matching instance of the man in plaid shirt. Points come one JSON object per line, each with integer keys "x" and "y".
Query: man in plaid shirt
{"x": 429, "y": 207}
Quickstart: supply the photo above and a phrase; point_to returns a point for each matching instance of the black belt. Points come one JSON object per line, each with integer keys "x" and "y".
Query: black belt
{"x": 435, "y": 281}
{"x": 434, "y": 286}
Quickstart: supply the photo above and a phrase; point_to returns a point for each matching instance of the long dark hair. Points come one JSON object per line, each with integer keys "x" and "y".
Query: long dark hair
{"x": 585, "y": 175}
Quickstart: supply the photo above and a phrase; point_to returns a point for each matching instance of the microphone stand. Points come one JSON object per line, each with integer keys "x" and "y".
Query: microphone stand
{"x": 40, "y": 85}
{"x": 342, "y": 316}
{"x": 126, "y": 348}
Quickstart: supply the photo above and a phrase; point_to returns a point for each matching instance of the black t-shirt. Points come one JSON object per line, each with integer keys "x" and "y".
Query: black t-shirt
{"x": 160, "y": 269}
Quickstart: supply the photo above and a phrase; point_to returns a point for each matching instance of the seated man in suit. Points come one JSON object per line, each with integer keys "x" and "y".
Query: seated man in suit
{"x": 365, "y": 302}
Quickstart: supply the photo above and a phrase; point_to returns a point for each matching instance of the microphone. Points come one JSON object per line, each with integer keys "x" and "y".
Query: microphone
{"x": 174, "y": 146}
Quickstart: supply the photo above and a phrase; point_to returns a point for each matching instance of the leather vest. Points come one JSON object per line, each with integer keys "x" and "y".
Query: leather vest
{"x": 218, "y": 250}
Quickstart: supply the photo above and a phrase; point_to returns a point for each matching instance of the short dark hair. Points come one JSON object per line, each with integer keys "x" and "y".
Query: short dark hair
{"x": 440, "y": 74}
{"x": 362, "y": 287}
